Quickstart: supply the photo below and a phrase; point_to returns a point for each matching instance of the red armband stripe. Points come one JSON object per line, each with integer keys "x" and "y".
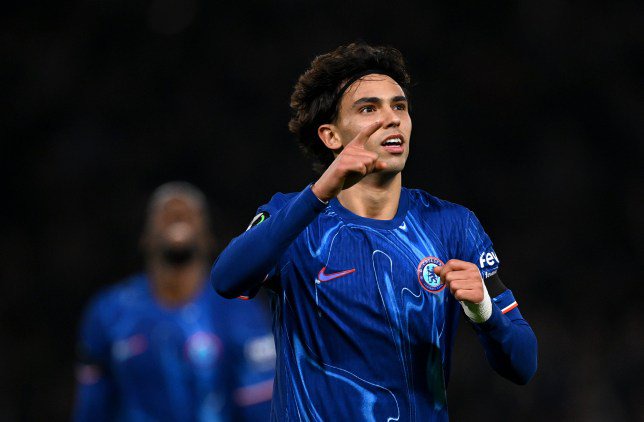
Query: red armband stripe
{"x": 509, "y": 307}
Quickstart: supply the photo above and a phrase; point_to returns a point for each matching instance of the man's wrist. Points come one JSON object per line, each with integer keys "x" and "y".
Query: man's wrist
{"x": 479, "y": 312}
{"x": 318, "y": 195}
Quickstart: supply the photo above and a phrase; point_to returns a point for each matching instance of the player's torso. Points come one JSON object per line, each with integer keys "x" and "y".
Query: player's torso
{"x": 365, "y": 316}
{"x": 166, "y": 360}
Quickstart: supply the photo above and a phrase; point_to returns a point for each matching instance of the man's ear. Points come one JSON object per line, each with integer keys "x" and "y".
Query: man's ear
{"x": 328, "y": 135}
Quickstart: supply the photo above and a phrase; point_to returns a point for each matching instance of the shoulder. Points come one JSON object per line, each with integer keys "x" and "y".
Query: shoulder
{"x": 427, "y": 203}
{"x": 115, "y": 297}
{"x": 278, "y": 201}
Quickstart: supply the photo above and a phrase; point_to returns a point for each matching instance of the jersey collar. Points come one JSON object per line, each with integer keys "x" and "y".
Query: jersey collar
{"x": 349, "y": 217}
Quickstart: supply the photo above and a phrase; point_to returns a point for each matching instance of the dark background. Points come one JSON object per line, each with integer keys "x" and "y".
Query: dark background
{"x": 530, "y": 113}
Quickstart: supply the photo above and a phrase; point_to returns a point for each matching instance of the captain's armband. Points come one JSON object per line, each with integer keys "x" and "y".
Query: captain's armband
{"x": 494, "y": 285}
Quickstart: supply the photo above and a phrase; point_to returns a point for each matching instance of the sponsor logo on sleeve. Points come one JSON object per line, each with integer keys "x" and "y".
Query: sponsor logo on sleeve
{"x": 488, "y": 259}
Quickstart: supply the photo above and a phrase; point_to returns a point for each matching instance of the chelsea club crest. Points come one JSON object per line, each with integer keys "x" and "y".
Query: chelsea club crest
{"x": 426, "y": 277}
{"x": 203, "y": 349}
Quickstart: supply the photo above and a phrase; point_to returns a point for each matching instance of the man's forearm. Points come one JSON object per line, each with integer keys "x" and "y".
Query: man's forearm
{"x": 510, "y": 345}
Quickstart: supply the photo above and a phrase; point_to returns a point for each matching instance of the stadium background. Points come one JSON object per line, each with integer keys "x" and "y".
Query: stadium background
{"x": 529, "y": 113}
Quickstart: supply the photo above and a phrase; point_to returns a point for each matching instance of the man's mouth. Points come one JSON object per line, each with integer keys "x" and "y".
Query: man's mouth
{"x": 393, "y": 144}
{"x": 179, "y": 255}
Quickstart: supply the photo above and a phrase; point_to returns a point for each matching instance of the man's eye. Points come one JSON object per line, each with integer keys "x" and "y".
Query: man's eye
{"x": 400, "y": 106}
{"x": 367, "y": 109}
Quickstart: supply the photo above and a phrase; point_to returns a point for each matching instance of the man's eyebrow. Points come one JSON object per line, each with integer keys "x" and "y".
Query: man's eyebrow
{"x": 367, "y": 100}
{"x": 377, "y": 100}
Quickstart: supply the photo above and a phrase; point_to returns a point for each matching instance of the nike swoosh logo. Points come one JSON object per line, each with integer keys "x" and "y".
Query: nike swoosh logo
{"x": 322, "y": 277}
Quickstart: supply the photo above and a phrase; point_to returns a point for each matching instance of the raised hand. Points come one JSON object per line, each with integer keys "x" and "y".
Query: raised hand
{"x": 463, "y": 279}
{"x": 350, "y": 166}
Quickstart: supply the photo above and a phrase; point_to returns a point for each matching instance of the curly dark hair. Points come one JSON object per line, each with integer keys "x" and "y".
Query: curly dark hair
{"x": 316, "y": 97}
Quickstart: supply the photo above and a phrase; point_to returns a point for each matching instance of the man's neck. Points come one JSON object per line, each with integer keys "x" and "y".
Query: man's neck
{"x": 176, "y": 285}
{"x": 376, "y": 196}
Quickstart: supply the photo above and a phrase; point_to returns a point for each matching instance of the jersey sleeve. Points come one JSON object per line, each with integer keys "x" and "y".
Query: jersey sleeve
{"x": 262, "y": 214}
{"x": 477, "y": 247}
{"x": 94, "y": 385}
{"x": 253, "y": 257}
{"x": 508, "y": 340}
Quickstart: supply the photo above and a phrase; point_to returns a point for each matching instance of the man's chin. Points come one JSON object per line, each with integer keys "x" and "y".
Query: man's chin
{"x": 394, "y": 165}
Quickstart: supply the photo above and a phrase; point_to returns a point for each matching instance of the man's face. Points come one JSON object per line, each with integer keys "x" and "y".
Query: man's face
{"x": 373, "y": 98}
{"x": 176, "y": 231}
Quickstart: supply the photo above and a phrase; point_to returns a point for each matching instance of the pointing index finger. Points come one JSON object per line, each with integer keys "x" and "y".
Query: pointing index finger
{"x": 361, "y": 138}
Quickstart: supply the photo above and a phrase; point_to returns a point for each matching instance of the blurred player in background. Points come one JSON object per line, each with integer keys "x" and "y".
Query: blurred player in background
{"x": 369, "y": 277}
{"x": 162, "y": 345}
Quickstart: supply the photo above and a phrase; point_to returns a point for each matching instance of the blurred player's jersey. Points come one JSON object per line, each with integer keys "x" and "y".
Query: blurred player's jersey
{"x": 209, "y": 360}
{"x": 364, "y": 329}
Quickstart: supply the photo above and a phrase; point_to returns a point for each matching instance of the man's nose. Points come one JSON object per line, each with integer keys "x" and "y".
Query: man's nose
{"x": 390, "y": 118}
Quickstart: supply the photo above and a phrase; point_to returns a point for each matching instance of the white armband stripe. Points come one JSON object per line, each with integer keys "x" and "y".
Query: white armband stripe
{"x": 509, "y": 307}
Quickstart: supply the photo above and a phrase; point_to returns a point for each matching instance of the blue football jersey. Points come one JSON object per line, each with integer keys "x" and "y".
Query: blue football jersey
{"x": 363, "y": 327}
{"x": 208, "y": 360}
